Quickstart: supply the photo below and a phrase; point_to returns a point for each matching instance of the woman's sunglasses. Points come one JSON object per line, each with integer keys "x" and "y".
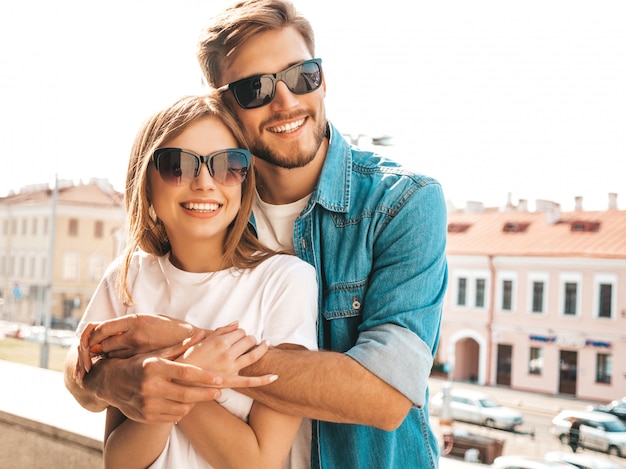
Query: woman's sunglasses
{"x": 259, "y": 90}
{"x": 179, "y": 167}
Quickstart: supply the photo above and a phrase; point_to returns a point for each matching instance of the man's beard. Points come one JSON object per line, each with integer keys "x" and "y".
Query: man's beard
{"x": 298, "y": 159}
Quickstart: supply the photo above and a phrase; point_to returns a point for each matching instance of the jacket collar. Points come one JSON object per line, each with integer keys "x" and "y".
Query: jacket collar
{"x": 333, "y": 188}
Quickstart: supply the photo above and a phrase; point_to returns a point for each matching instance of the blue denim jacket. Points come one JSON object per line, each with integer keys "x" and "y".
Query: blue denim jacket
{"x": 376, "y": 235}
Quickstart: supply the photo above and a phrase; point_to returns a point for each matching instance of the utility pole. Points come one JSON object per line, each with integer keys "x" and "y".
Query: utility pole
{"x": 45, "y": 345}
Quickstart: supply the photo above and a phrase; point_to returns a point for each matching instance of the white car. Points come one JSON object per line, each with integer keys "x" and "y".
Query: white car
{"x": 598, "y": 430}
{"x": 582, "y": 460}
{"x": 476, "y": 407}
{"x": 523, "y": 462}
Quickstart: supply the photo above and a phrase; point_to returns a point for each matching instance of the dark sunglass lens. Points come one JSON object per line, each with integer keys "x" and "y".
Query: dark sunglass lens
{"x": 229, "y": 167}
{"x": 254, "y": 92}
{"x": 305, "y": 78}
{"x": 176, "y": 167}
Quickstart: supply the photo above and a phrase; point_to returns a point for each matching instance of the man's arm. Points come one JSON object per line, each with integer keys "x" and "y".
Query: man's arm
{"x": 328, "y": 386}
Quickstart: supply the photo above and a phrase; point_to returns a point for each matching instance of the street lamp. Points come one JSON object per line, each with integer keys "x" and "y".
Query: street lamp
{"x": 45, "y": 345}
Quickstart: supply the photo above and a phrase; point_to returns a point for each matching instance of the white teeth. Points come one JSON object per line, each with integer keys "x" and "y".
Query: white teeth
{"x": 201, "y": 207}
{"x": 287, "y": 127}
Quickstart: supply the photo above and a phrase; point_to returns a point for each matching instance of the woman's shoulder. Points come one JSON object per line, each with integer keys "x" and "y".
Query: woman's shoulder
{"x": 287, "y": 263}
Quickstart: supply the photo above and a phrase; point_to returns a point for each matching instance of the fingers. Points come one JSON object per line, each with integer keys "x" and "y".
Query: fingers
{"x": 111, "y": 328}
{"x": 252, "y": 355}
{"x": 84, "y": 355}
{"x": 188, "y": 375}
{"x": 176, "y": 350}
{"x": 225, "y": 329}
{"x": 237, "y": 381}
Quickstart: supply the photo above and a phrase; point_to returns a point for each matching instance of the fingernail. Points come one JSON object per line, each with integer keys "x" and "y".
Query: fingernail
{"x": 273, "y": 378}
{"x": 97, "y": 348}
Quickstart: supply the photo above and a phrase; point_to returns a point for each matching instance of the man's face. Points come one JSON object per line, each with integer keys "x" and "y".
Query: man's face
{"x": 288, "y": 131}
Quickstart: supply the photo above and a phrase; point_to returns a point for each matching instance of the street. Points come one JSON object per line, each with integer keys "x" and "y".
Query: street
{"x": 531, "y": 439}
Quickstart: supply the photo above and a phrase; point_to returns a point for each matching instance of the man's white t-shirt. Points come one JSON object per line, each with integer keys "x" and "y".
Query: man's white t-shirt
{"x": 276, "y": 301}
{"x": 274, "y": 223}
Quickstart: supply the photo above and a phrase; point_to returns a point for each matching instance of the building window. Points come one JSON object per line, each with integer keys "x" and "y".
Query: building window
{"x": 480, "y": 293}
{"x": 46, "y": 226}
{"x": 73, "y": 227}
{"x": 21, "y": 266}
{"x": 507, "y": 295}
{"x": 71, "y": 263}
{"x": 461, "y": 292}
{"x": 98, "y": 231}
{"x": 34, "y": 228}
{"x": 24, "y": 227}
{"x": 571, "y": 298}
{"x": 603, "y": 368}
{"x": 537, "y": 300}
{"x": 605, "y": 300}
{"x": 96, "y": 267}
{"x": 31, "y": 270}
{"x": 535, "y": 362}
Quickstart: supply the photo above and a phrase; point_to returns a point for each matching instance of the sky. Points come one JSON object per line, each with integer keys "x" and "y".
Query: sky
{"x": 499, "y": 100}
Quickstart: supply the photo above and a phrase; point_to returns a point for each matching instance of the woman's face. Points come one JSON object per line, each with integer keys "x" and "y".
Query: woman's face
{"x": 202, "y": 210}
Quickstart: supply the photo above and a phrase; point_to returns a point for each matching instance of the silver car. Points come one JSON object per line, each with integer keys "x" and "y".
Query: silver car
{"x": 476, "y": 407}
{"x": 598, "y": 430}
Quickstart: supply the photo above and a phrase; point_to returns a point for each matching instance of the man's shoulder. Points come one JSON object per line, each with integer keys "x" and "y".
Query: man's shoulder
{"x": 375, "y": 165}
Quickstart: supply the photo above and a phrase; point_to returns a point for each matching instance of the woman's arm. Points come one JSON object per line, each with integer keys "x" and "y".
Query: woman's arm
{"x": 131, "y": 444}
{"x": 226, "y": 441}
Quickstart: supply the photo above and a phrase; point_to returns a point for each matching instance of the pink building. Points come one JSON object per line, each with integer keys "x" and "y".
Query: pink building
{"x": 537, "y": 300}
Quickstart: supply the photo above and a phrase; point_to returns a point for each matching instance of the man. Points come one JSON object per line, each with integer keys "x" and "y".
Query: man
{"x": 374, "y": 231}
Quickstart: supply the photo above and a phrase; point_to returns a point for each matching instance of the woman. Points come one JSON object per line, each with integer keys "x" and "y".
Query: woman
{"x": 191, "y": 256}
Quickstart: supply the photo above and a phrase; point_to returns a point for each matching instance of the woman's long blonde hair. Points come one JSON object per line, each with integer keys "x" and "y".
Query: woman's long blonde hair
{"x": 145, "y": 231}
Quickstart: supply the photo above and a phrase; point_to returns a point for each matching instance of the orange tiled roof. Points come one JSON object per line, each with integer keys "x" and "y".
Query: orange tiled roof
{"x": 92, "y": 194}
{"x": 600, "y": 234}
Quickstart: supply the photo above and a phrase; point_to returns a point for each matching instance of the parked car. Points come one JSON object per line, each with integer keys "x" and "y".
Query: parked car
{"x": 523, "y": 462}
{"x": 598, "y": 430}
{"x": 583, "y": 460}
{"x": 477, "y": 407}
{"x": 617, "y": 408}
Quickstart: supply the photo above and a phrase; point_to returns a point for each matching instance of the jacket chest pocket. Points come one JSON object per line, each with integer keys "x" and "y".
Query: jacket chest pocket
{"x": 343, "y": 307}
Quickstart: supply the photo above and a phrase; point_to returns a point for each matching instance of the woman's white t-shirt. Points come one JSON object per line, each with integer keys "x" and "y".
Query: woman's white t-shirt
{"x": 276, "y": 301}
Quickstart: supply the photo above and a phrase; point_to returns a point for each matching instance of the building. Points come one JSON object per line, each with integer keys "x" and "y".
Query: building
{"x": 537, "y": 300}
{"x": 76, "y": 230}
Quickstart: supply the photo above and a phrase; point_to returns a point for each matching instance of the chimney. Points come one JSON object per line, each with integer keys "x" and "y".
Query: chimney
{"x": 474, "y": 207}
{"x": 553, "y": 214}
{"x": 612, "y": 200}
{"x": 578, "y": 203}
{"x": 522, "y": 205}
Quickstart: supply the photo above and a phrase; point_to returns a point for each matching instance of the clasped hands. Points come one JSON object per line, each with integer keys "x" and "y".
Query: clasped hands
{"x": 155, "y": 368}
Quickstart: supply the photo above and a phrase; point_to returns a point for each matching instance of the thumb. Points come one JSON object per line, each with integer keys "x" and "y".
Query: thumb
{"x": 174, "y": 351}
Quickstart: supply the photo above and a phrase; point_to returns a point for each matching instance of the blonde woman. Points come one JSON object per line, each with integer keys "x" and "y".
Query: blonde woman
{"x": 191, "y": 257}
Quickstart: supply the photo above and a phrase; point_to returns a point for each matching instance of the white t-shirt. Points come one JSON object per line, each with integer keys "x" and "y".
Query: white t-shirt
{"x": 276, "y": 301}
{"x": 274, "y": 223}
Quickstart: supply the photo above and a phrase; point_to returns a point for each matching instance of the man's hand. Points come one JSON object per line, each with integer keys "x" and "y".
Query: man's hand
{"x": 150, "y": 389}
{"x": 135, "y": 334}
